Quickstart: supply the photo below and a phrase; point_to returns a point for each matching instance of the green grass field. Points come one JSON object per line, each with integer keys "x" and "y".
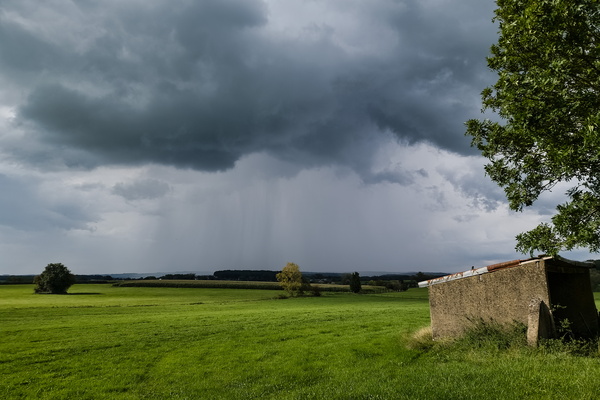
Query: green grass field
{"x": 104, "y": 342}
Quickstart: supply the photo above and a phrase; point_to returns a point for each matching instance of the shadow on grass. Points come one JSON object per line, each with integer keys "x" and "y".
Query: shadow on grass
{"x": 83, "y": 294}
{"x": 69, "y": 294}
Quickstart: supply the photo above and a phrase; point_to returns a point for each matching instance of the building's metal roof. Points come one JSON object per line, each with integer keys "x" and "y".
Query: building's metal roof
{"x": 495, "y": 267}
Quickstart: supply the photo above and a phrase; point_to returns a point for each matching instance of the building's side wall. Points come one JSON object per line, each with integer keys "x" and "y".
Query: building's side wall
{"x": 503, "y": 296}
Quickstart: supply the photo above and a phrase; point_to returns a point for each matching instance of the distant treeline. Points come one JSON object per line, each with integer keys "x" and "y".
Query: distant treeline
{"x": 186, "y": 283}
{"x": 93, "y": 278}
{"x": 176, "y": 277}
{"x": 396, "y": 282}
{"x": 16, "y": 279}
{"x": 246, "y": 275}
{"x": 25, "y": 279}
{"x": 270, "y": 276}
{"x": 239, "y": 275}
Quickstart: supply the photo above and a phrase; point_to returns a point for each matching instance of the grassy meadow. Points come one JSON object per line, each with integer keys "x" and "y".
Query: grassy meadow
{"x": 105, "y": 342}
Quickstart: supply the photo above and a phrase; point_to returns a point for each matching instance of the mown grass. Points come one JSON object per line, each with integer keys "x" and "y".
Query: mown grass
{"x": 104, "y": 342}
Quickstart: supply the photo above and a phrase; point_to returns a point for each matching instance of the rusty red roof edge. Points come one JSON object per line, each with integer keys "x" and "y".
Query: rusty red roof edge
{"x": 506, "y": 264}
{"x": 495, "y": 267}
{"x": 477, "y": 271}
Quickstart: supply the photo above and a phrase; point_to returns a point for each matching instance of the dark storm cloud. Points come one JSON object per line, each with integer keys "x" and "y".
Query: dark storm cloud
{"x": 438, "y": 67}
{"x": 201, "y": 84}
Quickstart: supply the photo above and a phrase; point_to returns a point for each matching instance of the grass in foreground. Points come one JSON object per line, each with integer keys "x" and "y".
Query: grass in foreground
{"x": 157, "y": 343}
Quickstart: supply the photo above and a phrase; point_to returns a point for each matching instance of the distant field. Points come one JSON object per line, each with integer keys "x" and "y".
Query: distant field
{"x": 209, "y": 284}
{"x": 104, "y": 342}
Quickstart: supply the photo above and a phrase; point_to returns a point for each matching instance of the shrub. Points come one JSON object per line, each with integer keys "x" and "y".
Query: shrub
{"x": 291, "y": 280}
{"x": 355, "y": 285}
{"x": 316, "y": 290}
{"x": 55, "y": 279}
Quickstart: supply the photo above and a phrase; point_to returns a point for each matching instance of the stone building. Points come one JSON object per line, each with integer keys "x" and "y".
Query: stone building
{"x": 543, "y": 293}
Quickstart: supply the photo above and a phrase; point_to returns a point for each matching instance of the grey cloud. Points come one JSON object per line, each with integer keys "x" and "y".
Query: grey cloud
{"x": 22, "y": 52}
{"x": 483, "y": 193}
{"x": 23, "y": 208}
{"x": 465, "y": 218}
{"x": 401, "y": 178}
{"x": 146, "y": 189}
{"x": 396, "y": 175}
{"x": 435, "y": 199}
{"x": 201, "y": 85}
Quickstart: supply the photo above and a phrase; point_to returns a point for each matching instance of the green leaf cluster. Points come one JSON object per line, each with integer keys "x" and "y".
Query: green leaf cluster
{"x": 291, "y": 280}
{"x": 55, "y": 279}
{"x": 547, "y": 97}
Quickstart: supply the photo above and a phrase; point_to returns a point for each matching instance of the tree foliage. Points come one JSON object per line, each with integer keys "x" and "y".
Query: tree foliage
{"x": 291, "y": 280}
{"x": 547, "y": 96}
{"x": 355, "y": 285}
{"x": 55, "y": 279}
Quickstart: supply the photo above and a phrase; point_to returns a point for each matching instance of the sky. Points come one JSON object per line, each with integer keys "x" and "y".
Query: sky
{"x": 198, "y": 135}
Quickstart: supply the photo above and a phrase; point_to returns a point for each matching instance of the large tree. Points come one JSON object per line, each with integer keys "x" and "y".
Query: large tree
{"x": 55, "y": 279}
{"x": 547, "y": 98}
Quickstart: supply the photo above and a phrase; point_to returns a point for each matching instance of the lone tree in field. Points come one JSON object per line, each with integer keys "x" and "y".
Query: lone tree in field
{"x": 548, "y": 98}
{"x": 291, "y": 280}
{"x": 56, "y": 279}
{"x": 355, "y": 285}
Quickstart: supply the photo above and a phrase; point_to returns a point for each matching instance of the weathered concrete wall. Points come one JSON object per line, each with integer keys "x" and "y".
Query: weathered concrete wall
{"x": 540, "y": 323}
{"x": 503, "y": 296}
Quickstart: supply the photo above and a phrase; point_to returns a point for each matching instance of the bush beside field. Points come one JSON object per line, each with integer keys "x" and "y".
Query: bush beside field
{"x": 237, "y": 285}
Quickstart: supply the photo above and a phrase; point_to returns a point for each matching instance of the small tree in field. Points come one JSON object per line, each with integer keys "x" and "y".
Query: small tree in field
{"x": 56, "y": 279}
{"x": 291, "y": 280}
{"x": 355, "y": 285}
